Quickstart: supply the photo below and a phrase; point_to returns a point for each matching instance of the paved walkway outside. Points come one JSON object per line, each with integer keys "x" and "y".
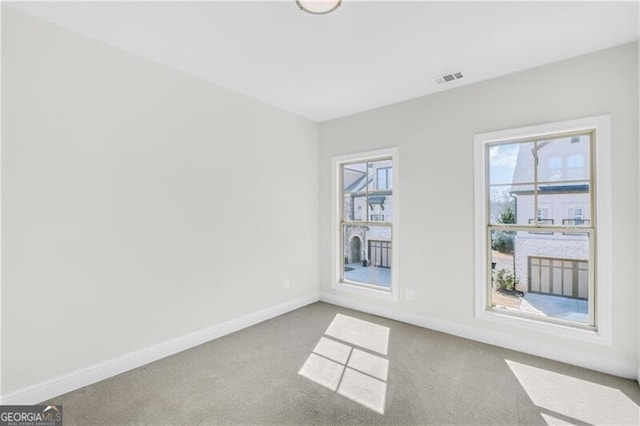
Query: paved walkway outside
{"x": 368, "y": 274}
{"x": 556, "y": 307}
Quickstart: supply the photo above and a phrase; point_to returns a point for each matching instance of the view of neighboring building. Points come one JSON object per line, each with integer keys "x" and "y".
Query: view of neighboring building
{"x": 545, "y": 262}
{"x": 542, "y": 185}
{"x": 367, "y": 216}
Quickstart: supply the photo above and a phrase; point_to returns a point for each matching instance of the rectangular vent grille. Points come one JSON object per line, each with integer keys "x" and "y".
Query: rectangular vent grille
{"x": 449, "y": 77}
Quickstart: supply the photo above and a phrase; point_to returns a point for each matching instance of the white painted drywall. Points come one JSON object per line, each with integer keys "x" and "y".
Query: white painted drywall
{"x": 638, "y": 279}
{"x": 434, "y": 135}
{"x": 139, "y": 203}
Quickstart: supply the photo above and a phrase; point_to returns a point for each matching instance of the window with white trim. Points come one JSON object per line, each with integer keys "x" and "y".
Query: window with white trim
{"x": 531, "y": 262}
{"x": 366, "y": 220}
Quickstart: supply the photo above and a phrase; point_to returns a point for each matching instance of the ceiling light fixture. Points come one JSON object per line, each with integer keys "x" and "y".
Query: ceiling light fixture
{"x": 318, "y": 7}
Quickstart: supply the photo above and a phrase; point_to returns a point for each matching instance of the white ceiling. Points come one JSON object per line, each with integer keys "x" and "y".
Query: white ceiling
{"x": 364, "y": 55}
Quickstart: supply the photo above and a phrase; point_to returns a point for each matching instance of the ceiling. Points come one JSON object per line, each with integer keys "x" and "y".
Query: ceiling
{"x": 362, "y": 56}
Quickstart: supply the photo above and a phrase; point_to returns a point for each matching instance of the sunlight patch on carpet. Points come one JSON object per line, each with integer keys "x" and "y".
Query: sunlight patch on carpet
{"x": 349, "y": 367}
{"x": 333, "y": 350}
{"x": 574, "y": 400}
{"x": 360, "y": 333}
{"x": 370, "y": 364}
{"x": 364, "y": 390}
{"x": 322, "y": 371}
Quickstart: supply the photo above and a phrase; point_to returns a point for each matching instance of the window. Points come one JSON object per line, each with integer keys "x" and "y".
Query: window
{"x": 555, "y": 167}
{"x": 576, "y": 216}
{"x": 543, "y": 214}
{"x": 384, "y": 178}
{"x": 576, "y": 166}
{"x": 531, "y": 265}
{"x": 366, "y": 217}
{"x": 576, "y": 213}
{"x": 515, "y": 286}
{"x": 543, "y": 217}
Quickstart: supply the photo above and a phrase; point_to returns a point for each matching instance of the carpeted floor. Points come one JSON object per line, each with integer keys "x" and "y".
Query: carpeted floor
{"x": 412, "y": 375}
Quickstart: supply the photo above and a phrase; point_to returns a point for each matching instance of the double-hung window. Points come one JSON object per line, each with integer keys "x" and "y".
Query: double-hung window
{"x": 365, "y": 221}
{"x": 543, "y": 224}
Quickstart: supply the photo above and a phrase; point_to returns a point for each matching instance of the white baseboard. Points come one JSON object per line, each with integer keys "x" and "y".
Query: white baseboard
{"x": 97, "y": 372}
{"x": 509, "y": 341}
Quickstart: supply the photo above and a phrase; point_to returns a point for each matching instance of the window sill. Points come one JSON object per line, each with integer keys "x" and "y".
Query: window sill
{"x": 578, "y": 332}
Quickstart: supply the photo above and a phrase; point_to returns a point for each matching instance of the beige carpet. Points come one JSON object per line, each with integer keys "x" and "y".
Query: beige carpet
{"x": 327, "y": 365}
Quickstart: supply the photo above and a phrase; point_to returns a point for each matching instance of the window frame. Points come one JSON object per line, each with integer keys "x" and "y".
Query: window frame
{"x": 601, "y": 247}
{"x": 337, "y": 254}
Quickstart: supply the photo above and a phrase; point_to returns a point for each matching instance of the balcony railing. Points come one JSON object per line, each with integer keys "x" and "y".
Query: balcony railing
{"x": 576, "y": 222}
{"x": 541, "y": 222}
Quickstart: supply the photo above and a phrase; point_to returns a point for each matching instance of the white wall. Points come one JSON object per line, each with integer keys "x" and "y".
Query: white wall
{"x": 130, "y": 194}
{"x": 139, "y": 203}
{"x": 434, "y": 135}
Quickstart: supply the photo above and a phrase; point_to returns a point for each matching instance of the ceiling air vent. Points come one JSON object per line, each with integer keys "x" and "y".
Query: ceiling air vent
{"x": 449, "y": 77}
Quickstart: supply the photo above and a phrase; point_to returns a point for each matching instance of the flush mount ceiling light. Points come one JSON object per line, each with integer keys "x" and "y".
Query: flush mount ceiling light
{"x": 318, "y": 7}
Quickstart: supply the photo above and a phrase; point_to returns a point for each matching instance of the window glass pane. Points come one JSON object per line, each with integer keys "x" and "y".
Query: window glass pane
{"x": 504, "y": 206}
{"x": 355, "y": 206}
{"x": 555, "y": 167}
{"x": 382, "y": 179}
{"x": 563, "y": 203}
{"x": 511, "y": 163}
{"x": 367, "y": 254}
{"x": 563, "y": 159}
{"x": 380, "y": 199}
{"x": 354, "y": 182}
{"x": 558, "y": 204}
{"x": 354, "y": 177}
{"x": 541, "y": 274}
{"x": 380, "y": 208}
{"x": 378, "y": 175}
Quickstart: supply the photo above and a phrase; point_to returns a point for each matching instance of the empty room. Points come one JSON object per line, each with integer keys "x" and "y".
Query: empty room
{"x": 320, "y": 212}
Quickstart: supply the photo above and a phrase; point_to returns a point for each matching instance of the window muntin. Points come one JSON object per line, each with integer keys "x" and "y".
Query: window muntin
{"x": 526, "y": 187}
{"x": 366, "y": 223}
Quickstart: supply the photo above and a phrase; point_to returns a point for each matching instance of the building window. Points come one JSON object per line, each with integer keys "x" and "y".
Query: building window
{"x": 543, "y": 214}
{"x": 576, "y": 213}
{"x": 576, "y": 166}
{"x": 365, "y": 222}
{"x": 384, "y": 178}
{"x": 530, "y": 263}
{"x": 555, "y": 167}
